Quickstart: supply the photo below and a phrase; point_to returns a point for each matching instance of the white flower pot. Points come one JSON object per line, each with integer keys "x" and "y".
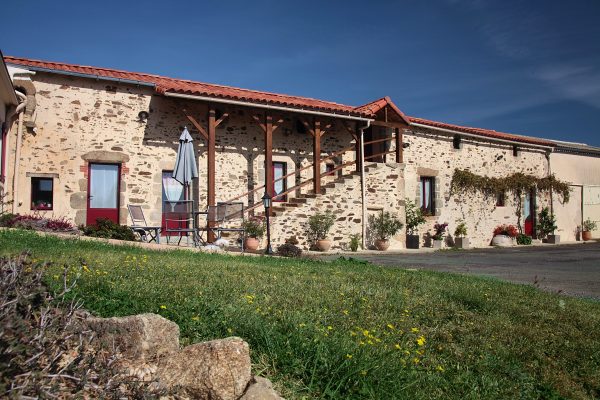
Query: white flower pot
{"x": 503, "y": 241}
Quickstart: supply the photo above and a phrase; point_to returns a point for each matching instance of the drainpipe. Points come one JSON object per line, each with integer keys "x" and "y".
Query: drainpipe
{"x": 363, "y": 190}
{"x": 19, "y": 110}
{"x": 548, "y": 155}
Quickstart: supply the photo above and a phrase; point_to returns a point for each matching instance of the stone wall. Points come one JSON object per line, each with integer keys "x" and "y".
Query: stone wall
{"x": 384, "y": 192}
{"x": 431, "y": 154}
{"x": 82, "y": 120}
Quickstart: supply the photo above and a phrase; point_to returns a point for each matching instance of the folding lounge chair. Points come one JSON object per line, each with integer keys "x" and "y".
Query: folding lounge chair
{"x": 140, "y": 226}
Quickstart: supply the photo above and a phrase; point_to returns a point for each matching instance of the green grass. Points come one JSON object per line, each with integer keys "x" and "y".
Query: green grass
{"x": 347, "y": 329}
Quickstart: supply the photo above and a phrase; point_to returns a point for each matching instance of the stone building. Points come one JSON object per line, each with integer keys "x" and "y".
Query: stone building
{"x": 98, "y": 139}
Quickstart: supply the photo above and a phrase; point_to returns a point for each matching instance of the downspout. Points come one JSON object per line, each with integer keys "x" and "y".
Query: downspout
{"x": 19, "y": 110}
{"x": 363, "y": 190}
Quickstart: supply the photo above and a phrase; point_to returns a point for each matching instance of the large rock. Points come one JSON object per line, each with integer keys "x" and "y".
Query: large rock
{"x": 137, "y": 337}
{"x": 219, "y": 370}
{"x": 261, "y": 389}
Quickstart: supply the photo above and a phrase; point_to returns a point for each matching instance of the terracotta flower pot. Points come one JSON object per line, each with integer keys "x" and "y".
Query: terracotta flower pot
{"x": 586, "y": 235}
{"x": 323, "y": 245}
{"x": 382, "y": 244}
{"x": 251, "y": 244}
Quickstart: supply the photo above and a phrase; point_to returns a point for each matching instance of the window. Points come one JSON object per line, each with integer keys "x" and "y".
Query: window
{"x": 500, "y": 199}
{"x": 41, "y": 193}
{"x": 515, "y": 150}
{"x": 427, "y": 195}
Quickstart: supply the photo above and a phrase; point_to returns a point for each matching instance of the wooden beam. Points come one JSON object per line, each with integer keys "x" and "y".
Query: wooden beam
{"x": 309, "y": 129}
{"x": 317, "y": 158}
{"x": 196, "y": 124}
{"x": 223, "y": 118}
{"x": 259, "y": 122}
{"x": 389, "y": 124}
{"x": 211, "y": 169}
{"x": 356, "y": 136}
{"x": 277, "y": 124}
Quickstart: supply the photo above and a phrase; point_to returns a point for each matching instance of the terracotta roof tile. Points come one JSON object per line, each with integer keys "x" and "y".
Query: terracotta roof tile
{"x": 165, "y": 84}
{"x": 483, "y": 132}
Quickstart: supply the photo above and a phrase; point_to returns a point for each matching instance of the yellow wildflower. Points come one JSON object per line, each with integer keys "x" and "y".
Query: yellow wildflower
{"x": 397, "y": 346}
{"x": 421, "y": 340}
{"x": 163, "y": 307}
{"x": 440, "y": 368}
{"x": 329, "y": 328}
{"x": 416, "y": 360}
{"x": 348, "y": 356}
{"x": 345, "y": 312}
{"x": 414, "y": 330}
{"x": 390, "y": 326}
{"x": 196, "y": 318}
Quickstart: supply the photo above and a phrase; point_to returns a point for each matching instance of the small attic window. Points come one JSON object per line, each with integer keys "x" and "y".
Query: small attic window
{"x": 457, "y": 142}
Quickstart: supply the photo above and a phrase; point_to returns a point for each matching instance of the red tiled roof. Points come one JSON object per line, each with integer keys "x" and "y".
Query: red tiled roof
{"x": 375, "y": 106}
{"x": 164, "y": 84}
{"x": 483, "y": 132}
{"x": 171, "y": 85}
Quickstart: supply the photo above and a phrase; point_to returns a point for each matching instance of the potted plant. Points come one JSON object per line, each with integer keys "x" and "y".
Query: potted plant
{"x": 255, "y": 230}
{"x": 460, "y": 241}
{"x": 414, "y": 218}
{"x": 318, "y": 227}
{"x": 547, "y": 226}
{"x": 354, "y": 242}
{"x": 587, "y": 228}
{"x": 504, "y": 235}
{"x": 384, "y": 226}
{"x": 438, "y": 236}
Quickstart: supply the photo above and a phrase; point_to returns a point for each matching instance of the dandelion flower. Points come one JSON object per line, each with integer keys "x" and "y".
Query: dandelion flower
{"x": 421, "y": 340}
{"x": 163, "y": 307}
{"x": 414, "y": 330}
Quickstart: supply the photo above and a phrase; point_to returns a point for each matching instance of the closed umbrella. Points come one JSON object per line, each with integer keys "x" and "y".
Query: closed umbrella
{"x": 185, "y": 164}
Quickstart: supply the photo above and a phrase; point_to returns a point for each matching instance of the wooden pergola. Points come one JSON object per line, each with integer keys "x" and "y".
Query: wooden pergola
{"x": 316, "y": 126}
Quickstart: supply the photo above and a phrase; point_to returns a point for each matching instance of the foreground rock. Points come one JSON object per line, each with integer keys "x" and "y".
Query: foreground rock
{"x": 148, "y": 348}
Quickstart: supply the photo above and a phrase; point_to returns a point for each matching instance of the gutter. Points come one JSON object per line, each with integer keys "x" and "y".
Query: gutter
{"x": 481, "y": 137}
{"x": 84, "y": 75}
{"x": 363, "y": 191}
{"x": 19, "y": 110}
{"x": 266, "y": 106}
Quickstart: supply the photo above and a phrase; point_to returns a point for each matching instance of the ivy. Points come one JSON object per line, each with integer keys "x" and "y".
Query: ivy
{"x": 464, "y": 181}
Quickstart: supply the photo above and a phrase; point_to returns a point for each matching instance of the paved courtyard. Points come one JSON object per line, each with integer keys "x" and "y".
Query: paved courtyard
{"x": 570, "y": 269}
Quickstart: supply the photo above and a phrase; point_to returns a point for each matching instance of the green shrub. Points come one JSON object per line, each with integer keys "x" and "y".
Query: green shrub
{"x": 254, "y": 228}
{"x": 384, "y": 225}
{"x": 414, "y": 217}
{"x": 546, "y": 223}
{"x": 289, "y": 250}
{"x": 523, "y": 239}
{"x": 354, "y": 242}
{"x": 6, "y": 219}
{"x": 105, "y": 228}
{"x": 461, "y": 230}
{"x": 589, "y": 225}
{"x": 320, "y": 224}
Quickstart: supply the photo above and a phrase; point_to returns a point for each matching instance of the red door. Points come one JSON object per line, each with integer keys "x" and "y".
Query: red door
{"x": 103, "y": 192}
{"x": 529, "y": 213}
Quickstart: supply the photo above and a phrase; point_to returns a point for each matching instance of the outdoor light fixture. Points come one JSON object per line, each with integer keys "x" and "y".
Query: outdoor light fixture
{"x": 267, "y": 199}
{"x": 143, "y": 116}
{"x": 405, "y": 145}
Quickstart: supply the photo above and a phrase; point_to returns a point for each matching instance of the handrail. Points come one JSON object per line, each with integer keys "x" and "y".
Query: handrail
{"x": 344, "y": 165}
{"x": 294, "y": 172}
{"x": 380, "y": 140}
{"x": 380, "y": 154}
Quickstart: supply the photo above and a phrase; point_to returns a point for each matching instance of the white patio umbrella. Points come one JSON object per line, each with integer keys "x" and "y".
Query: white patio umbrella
{"x": 185, "y": 164}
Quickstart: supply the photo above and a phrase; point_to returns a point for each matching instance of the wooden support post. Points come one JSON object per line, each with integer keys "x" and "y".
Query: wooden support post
{"x": 399, "y": 146}
{"x": 211, "y": 168}
{"x": 269, "y": 155}
{"x": 317, "y": 158}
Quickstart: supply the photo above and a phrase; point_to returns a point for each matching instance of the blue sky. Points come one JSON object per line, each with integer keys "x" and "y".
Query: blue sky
{"x": 529, "y": 67}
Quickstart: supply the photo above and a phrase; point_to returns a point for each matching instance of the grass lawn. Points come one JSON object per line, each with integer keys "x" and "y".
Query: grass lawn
{"x": 346, "y": 329}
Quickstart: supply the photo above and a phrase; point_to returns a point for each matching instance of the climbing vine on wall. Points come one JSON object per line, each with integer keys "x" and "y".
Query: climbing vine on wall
{"x": 517, "y": 184}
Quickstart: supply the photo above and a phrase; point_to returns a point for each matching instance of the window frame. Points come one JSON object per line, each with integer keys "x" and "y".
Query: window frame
{"x": 427, "y": 211}
{"x": 501, "y": 199}
{"x": 35, "y": 191}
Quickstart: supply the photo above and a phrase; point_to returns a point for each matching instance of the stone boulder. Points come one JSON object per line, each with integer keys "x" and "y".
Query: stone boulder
{"x": 219, "y": 369}
{"x": 260, "y": 389}
{"x": 136, "y": 337}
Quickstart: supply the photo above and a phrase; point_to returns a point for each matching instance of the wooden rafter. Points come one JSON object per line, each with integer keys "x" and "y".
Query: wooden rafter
{"x": 196, "y": 124}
